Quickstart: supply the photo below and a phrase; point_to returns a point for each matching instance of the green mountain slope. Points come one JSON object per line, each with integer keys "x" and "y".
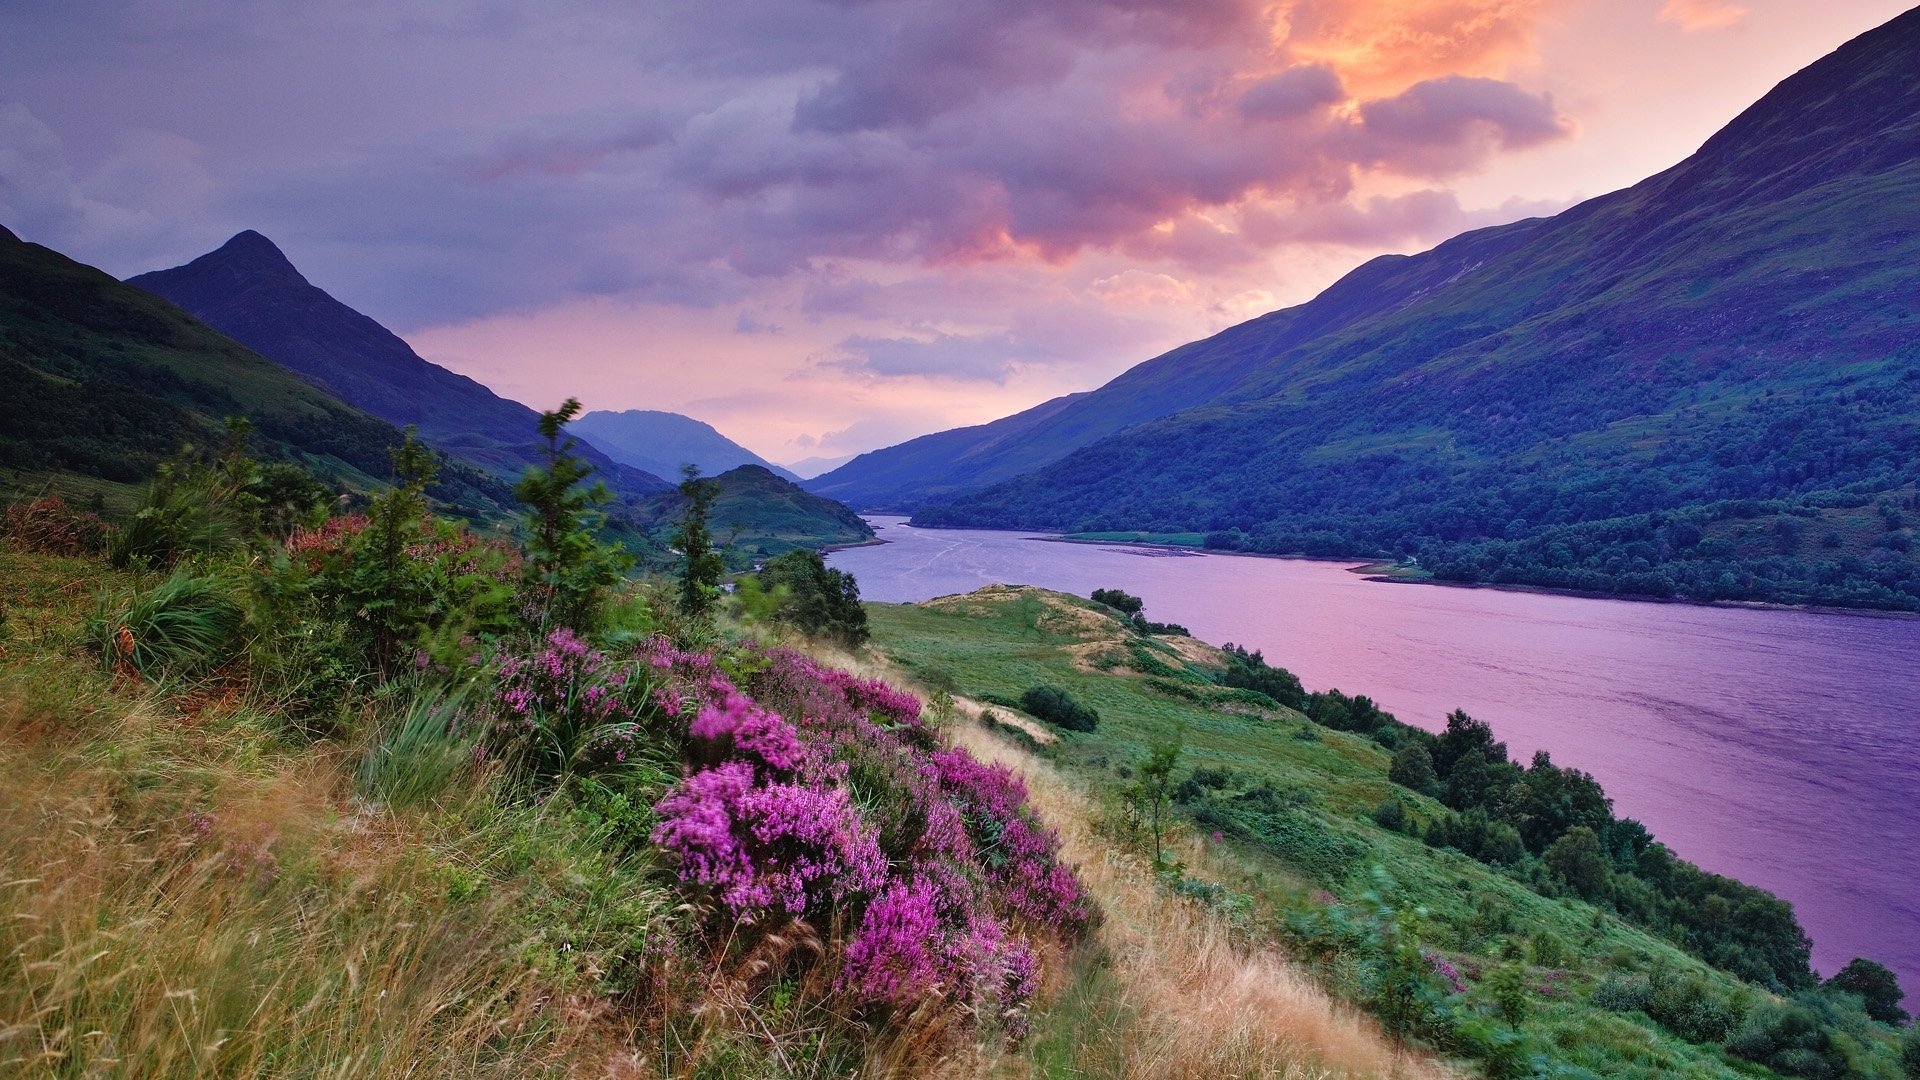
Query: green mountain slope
{"x": 249, "y": 291}
{"x": 1707, "y": 384}
{"x": 103, "y": 381}
{"x": 661, "y": 442}
{"x": 759, "y": 515}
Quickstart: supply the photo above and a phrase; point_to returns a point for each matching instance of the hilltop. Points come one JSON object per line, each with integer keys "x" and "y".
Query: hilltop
{"x": 662, "y": 442}
{"x": 105, "y": 380}
{"x": 249, "y": 290}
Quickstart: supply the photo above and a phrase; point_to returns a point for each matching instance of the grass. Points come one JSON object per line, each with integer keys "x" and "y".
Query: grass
{"x": 185, "y": 624}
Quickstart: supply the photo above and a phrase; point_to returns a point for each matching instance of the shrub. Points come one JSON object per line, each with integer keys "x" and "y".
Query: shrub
{"x": 1057, "y": 707}
{"x": 1789, "y": 1038}
{"x": 185, "y": 625}
{"x": 49, "y": 526}
{"x": 568, "y": 710}
{"x": 816, "y": 598}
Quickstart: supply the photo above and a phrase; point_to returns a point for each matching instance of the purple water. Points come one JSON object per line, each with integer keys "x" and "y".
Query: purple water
{"x": 1777, "y": 747}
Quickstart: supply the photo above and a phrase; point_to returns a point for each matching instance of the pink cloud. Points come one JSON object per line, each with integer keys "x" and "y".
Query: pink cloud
{"x": 1695, "y": 15}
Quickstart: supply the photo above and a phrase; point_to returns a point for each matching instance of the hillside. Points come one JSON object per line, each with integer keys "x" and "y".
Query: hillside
{"x": 1297, "y": 820}
{"x": 759, "y": 515}
{"x": 661, "y": 442}
{"x": 1702, "y": 385}
{"x": 248, "y": 290}
{"x": 104, "y": 380}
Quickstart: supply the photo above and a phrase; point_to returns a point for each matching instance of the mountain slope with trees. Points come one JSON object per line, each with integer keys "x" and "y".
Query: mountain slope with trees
{"x": 1705, "y": 384}
{"x": 103, "y": 381}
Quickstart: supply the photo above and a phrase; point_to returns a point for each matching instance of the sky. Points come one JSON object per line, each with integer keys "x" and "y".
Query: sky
{"x": 826, "y": 226}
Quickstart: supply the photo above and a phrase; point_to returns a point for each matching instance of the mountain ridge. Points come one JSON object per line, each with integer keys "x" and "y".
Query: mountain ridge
{"x": 249, "y": 290}
{"x": 1738, "y": 327}
{"x": 660, "y": 442}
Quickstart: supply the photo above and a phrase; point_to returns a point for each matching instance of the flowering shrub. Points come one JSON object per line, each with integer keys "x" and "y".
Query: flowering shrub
{"x": 817, "y": 794}
{"x": 785, "y": 846}
{"x": 50, "y": 526}
{"x": 567, "y": 709}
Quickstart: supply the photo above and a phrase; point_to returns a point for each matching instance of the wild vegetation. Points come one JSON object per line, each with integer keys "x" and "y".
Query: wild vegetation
{"x": 374, "y": 794}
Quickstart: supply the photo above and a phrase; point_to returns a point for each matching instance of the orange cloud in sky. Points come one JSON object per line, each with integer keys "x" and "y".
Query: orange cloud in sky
{"x": 1693, "y": 15}
{"x": 1381, "y": 48}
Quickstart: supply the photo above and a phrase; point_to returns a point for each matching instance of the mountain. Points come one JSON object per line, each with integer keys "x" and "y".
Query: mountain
{"x": 103, "y": 381}
{"x": 248, "y": 290}
{"x": 759, "y": 515}
{"x": 661, "y": 442}
{"x": 1707, "y": 384}
{"x": 807, "y": 468}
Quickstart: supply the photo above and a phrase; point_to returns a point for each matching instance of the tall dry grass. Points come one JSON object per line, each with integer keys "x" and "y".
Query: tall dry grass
{"x": 1167, "y": 991}
{"x": 171, "y": 907}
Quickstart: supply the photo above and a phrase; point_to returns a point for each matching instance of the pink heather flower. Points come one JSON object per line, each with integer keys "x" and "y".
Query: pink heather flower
{"x": 738, "y": 727}
{"x": 780, "y": 846}
{"x": 892, "y": 957}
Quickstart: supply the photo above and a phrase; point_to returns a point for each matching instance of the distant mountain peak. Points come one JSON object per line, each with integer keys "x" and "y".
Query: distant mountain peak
{"x": 250, "y": 255}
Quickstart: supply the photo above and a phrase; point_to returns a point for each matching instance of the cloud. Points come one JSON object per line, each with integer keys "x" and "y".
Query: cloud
{"x": 1442, "y": 126}
{"x": 1292, "y": 93}
{"x": 1696, "y": 15}
{"x": 954, "y": 356}
{"x": 1416, "y": 218}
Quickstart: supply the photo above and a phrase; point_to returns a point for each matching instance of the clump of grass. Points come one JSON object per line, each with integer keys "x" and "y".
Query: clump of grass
{"x": 420, "y": 752}
{"x": 185, "y": 625}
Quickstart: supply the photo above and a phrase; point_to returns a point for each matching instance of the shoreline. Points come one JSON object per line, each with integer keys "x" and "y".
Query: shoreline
{"x": 1374, "y": 570}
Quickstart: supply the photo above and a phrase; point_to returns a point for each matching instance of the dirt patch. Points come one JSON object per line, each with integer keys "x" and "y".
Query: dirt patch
{"x": 1195, "y": 652}
{"x": 972, "y": 710}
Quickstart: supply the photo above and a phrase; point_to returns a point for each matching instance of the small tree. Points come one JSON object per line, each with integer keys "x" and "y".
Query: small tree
{"x": 382, "y": 579}
{"x": 1875, "y": 985}
{"x": 701, "y": 566}
{"x": 1122, "y": 602}
{"x": 1577, "y": 860}
{"x": 568, "y": 570}
{"x": 816, "y": 598}
{"x": 1412, "y": 768}
{"x": 1152, "y": 790}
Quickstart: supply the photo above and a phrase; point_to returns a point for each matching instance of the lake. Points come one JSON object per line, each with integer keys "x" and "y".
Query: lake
{"x": 1777, "y": 747}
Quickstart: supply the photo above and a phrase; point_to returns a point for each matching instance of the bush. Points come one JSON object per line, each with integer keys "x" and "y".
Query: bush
{"x": 1059, "y": 708}
{"x": 183, "y": 626}
{"x": 50, "y": 527}
{"x": 817, "y": 599}
{"x": 1789, "y": 1038}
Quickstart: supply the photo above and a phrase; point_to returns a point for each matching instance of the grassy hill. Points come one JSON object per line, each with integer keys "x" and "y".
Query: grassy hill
{"x": 758, "y": 515}
{"x": 1589, "y": 401}
{"x": 1281, "y": 828}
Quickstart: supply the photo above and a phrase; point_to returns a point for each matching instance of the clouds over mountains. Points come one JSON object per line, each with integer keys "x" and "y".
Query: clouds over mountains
{"x": 442, "y": 164}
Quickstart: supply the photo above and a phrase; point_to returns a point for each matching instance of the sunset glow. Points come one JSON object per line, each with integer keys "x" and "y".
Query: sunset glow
{"x": 828, "y": 227}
